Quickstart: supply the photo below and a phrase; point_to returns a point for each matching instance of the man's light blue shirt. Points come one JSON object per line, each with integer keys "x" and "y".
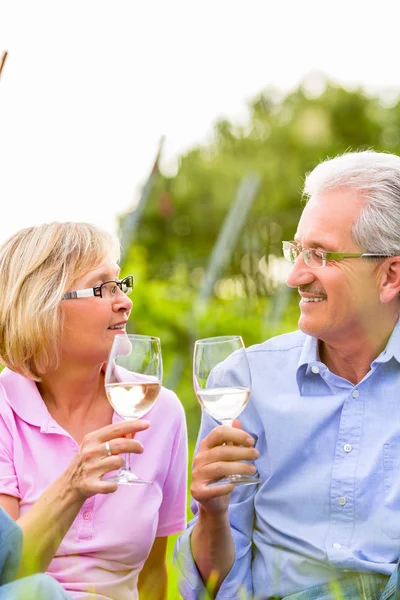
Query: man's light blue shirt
{"x": 329, "y": 501}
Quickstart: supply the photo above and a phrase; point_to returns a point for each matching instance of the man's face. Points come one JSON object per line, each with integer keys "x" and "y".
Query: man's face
{"x": 346, "y": 291}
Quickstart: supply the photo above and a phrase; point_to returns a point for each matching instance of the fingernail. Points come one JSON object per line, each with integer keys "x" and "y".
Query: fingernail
{"x": 250, "y": 441}
{"x": 256, "y": 453}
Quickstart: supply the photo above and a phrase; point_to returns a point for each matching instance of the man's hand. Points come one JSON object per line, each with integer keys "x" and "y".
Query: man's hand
{"x": 221, "y": 453}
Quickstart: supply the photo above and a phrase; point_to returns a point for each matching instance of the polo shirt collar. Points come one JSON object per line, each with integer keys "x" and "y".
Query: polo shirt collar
{"x": 24, "y": 398}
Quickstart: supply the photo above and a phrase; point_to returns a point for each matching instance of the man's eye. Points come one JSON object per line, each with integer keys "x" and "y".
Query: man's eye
{"x": 319, "y": 253}
{"x": 114, "y": 289}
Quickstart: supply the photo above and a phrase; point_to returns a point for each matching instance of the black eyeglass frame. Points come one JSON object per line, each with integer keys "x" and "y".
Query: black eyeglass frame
{"x": 125, "y": 285}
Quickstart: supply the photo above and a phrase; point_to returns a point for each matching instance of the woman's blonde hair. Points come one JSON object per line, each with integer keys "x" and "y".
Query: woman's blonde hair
{"x": 37, "y": 266}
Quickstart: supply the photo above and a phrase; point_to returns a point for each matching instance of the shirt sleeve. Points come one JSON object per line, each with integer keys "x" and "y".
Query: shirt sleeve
{"x": 172, "y": 513}
{"x": 8, "y": 476}
{"x": 238, "y": 583}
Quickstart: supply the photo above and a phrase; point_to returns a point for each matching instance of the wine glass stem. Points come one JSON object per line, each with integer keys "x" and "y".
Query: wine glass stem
{"x": 127, "y": 458}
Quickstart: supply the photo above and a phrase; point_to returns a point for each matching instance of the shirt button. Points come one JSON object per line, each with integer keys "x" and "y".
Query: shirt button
{"x": 315, "y": 369}
{"x": 87, "y": 515}
{"x": 342, "y": 500}
{"x": 337, "y": 546}
{"x": 347, "y": 447}
{"x": 355, "y": 393}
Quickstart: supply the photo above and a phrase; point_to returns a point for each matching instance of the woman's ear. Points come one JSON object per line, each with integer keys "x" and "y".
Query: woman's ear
{"x": 390, "y": 283}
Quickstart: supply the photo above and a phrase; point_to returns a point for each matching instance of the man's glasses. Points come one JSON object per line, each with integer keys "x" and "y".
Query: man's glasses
{"x": 105, "y": 290}
{"x": 316, "y": 258}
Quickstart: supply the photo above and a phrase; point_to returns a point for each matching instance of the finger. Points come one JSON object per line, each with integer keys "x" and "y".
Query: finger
{"x": 224, "y": 434}
{"x": 120, "y": 446}
{"x": 116, "y": 430}
{"x": 110, "y": 463}
{"x": 218, "y": 470}
{"x": 203, "y": 493}
{"x": 228, "y": 453}
{"x": 237, "y": 424}
{"x": 105, "y": 487}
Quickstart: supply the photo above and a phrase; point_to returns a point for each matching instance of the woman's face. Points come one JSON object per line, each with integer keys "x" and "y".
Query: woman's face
{"x": 90, "y": 324}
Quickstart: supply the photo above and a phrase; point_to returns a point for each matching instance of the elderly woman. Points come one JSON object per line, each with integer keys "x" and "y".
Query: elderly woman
{"x": 58, "y": 433}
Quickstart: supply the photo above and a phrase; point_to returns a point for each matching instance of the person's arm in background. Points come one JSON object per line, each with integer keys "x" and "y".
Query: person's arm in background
{"x": 10, "y": 547}
{"x": 35, "y": 587}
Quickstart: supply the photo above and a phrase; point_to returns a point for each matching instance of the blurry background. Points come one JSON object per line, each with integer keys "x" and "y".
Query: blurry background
{"x": 187, "y": 128}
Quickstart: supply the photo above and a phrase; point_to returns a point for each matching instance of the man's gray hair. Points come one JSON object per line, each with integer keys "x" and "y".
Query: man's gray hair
{"x": 376, "y": 175}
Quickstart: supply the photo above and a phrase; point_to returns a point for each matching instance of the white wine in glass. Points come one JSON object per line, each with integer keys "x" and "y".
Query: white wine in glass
{"x": 133, "y": 382}
{"x": 223, "y": 400}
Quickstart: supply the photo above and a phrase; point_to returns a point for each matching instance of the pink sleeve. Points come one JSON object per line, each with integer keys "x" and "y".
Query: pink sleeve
{"x": 8, "y": 477}
{"x": 172, "y": 513}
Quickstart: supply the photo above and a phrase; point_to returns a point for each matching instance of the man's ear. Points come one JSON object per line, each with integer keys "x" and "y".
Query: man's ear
{"x": 390, "y": 279}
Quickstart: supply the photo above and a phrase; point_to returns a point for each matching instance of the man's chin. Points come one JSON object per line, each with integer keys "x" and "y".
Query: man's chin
{"x": 309, "y": 328}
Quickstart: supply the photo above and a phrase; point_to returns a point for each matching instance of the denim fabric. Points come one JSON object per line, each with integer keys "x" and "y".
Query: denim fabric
{"x": 353, "y": 587}
{"x": 10, "y": 547}
{"x": 36, "y": 587}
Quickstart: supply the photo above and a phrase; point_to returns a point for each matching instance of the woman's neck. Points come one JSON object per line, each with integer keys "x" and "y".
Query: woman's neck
{"x": 72, "y": 389}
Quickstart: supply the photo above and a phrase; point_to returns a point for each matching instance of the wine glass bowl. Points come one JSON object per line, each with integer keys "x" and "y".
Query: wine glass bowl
{"x": 133, "y": 380}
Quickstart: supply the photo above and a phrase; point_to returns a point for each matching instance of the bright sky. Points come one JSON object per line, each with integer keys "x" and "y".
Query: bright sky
{"x": 89, "y": 86}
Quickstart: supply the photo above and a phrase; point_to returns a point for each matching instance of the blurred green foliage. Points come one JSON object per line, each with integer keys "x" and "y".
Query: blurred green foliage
{"x": 284, "y": 137}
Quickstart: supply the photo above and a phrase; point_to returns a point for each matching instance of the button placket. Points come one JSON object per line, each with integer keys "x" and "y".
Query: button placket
{"x": 86, "y": 519}
{"x": 343, "y": 475}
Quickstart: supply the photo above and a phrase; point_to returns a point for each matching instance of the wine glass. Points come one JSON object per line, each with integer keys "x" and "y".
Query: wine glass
{"x": 133, "y": 382}
{"x": 221, "y": 396}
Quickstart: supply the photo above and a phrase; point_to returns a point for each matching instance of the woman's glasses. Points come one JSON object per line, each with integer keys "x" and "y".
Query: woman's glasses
{"x": 108, "y": 289}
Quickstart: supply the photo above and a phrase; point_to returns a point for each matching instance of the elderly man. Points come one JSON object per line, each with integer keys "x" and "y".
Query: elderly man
{"x": 323, "y": 423}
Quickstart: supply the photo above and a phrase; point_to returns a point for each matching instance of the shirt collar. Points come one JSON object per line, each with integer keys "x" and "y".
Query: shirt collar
{"x": 24, "y": 398}
{"x": 310, "y": 355}
{"x": 392, "y": 349}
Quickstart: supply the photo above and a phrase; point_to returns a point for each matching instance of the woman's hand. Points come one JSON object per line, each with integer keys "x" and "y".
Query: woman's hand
{"x": 221, "y": 453}
{"x": 93, "y": 459}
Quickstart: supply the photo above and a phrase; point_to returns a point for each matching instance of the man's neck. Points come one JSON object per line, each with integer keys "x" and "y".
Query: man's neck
{"x": 352, "y": 358}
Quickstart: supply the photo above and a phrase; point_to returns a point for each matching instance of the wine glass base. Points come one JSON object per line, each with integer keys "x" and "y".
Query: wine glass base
{"x": 124, "y": 477}
{"x": 236, "y": 480}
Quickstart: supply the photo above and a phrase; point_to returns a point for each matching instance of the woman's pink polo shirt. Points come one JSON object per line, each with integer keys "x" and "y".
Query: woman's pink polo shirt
{"x": 110, "y": 539}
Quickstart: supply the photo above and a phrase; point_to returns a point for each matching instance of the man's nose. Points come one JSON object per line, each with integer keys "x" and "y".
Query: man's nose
{"x": 300, "y": 274}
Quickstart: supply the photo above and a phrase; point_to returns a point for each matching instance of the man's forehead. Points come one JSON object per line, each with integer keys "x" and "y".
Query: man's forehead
{"x": 328, "y": 219}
